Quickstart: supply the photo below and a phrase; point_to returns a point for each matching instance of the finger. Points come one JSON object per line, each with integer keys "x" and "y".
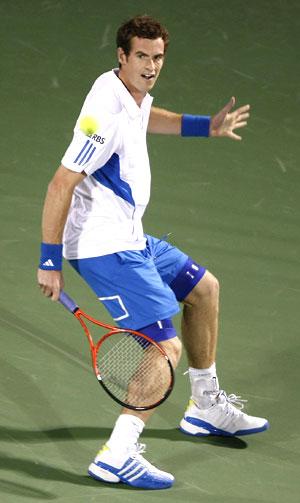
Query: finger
{"x": 242, "y": 109}
{"x": 234, "y": 136}
{"x": 232, "y": 101}
{"x": 56, "y": 289}
{"x": 237, "y": 117}
{"x": 46, "y": 290}
{"x": 229, "y": 105}
{"x": 242, "y": 117}
{"x": 240, "y": 124}
{"x": 41, "y": 287}
{"x": 55, "y": 294}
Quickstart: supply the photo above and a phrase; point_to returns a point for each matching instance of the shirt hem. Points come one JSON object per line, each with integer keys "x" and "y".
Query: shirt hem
{"x": 102, "y": 253}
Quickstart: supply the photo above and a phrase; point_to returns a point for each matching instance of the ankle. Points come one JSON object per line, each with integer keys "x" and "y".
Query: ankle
{"x": 204, "y": 386}
{"x": 125, "y": 434}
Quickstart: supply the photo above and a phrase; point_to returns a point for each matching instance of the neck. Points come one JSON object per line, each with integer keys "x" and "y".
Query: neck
{"x": 138, "y": 96}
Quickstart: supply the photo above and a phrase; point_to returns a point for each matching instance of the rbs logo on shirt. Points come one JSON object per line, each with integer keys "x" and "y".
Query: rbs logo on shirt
{"x": 97, "y": 138}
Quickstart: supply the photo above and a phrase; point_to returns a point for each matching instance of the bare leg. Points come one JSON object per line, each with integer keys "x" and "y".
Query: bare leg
{"x": 210, "y": 410}
{"x": 200, "y": 322}
{"x": 173, "y": 350}
{"x": 199, "y": 330}
{"x": 121, "y": 456}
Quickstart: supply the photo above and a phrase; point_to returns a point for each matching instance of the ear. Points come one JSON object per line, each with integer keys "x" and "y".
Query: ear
{"x": 122, "y": 58}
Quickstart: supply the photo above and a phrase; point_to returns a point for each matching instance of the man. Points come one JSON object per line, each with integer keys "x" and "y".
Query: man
{"x": 94, "y": 206}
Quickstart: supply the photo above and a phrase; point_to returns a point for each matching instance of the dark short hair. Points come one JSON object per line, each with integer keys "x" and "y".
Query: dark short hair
{"x": 142, "y": 27}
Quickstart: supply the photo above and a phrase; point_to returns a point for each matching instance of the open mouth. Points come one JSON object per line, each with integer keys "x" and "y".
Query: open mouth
{"x": 148, "y": 76}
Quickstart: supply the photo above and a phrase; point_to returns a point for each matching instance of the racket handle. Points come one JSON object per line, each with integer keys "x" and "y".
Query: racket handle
{"x": 67, "y": 302}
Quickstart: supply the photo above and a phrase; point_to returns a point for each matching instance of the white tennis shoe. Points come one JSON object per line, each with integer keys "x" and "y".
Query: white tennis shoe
{"x": 134, "y": 470}
{"x": 224, "y": 417}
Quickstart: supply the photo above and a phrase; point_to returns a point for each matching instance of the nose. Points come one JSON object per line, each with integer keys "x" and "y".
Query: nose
{"x": 150, "y": 65}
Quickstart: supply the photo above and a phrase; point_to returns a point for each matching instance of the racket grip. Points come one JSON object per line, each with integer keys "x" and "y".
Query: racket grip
{"x": 67, "y": 302}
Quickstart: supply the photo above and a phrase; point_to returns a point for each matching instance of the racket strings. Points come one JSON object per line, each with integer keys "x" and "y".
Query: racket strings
{"x": 133, "y": 369}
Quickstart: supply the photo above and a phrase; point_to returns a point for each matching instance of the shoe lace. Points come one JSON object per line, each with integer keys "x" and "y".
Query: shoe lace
{"x": 232, "y": 399}
{"x": 221, "y": 396}
{"x": 138, "y": 450}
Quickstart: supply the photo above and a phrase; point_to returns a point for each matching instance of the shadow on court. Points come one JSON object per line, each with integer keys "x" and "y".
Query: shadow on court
{"x": 36, "y": 469}
{"x": 44, "y": 471}
{"x": 90, "y": 433}
{"x": 24, "y": 491}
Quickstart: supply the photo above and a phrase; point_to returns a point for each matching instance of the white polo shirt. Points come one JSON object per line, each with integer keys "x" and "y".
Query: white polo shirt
{"x": 107, "y": 206}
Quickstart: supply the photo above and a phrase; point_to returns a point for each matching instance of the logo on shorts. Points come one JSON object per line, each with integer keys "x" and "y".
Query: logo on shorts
{"x": 189, "y": 274}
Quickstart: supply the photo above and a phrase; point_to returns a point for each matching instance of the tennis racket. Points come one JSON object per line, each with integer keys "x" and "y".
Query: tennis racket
{"x": 131, "y": 367}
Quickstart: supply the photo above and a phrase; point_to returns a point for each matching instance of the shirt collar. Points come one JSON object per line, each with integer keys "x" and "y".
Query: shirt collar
{"x": 127, "y": 99}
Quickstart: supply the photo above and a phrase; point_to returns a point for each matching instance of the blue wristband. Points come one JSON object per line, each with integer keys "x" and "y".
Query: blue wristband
{"x": 51, "y": 257}
{"x": 195, "y": 125}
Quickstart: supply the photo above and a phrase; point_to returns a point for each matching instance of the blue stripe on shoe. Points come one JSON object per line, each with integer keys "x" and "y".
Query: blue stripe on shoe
{"x": 135, "y": 474}
{"x": 217, "y": 431}
{"x": 239, "y": 433}
{"x": 133, "y": 468}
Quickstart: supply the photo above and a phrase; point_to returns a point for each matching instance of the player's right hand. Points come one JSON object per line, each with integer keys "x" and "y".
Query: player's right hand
{"x": 51, "y": 283}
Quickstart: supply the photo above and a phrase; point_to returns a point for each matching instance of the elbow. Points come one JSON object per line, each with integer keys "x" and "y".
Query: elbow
{"x": 64, "y": 181}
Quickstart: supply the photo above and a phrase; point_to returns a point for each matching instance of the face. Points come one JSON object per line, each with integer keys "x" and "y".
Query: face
{"x": 141, "y": 68}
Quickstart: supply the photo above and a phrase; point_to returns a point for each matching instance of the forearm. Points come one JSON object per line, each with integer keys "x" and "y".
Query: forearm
{"x": 56, "y": 207}
{"x": 55, "y": 212}
{"x": 164, "y": 122}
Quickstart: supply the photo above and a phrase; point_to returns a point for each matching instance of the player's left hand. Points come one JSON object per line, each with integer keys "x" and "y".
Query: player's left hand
{"x": 225, "y": 122}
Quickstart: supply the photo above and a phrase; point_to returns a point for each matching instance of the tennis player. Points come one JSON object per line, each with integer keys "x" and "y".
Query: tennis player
{"x": 93, "y": 216}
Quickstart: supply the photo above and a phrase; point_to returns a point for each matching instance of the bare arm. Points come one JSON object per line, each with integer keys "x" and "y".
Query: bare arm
{"x": 222, "y": 124}
{"x": 56, "y": 207}
{"x": 164, "y": 122}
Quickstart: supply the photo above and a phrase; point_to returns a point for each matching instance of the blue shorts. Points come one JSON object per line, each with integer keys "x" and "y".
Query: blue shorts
{"x": 141, "y": 287}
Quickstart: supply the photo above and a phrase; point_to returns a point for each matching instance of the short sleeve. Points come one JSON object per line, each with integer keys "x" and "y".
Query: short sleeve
{"x": 90, "y": 152}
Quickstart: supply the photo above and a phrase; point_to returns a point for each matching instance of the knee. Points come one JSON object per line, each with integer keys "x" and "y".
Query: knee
{"x": 207, "y": 289}
{"x": 173, "y": 348}
{"x": 211, "y": 286}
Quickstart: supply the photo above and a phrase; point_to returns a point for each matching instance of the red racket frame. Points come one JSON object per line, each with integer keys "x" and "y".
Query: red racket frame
{"x": 80, "y": 314}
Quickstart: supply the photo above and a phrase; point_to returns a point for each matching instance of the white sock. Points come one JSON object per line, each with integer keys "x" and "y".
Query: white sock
{"x": 125, "y": 434}
{"x": 203, "y": 381}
